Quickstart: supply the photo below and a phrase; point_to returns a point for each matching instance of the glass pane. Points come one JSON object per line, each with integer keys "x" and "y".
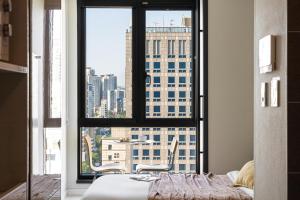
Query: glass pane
{"x": 55, "y": 44}
{"x": 169, "y": 64}
{"x": 139, "y": 146}
{"x": 108, "y": 63}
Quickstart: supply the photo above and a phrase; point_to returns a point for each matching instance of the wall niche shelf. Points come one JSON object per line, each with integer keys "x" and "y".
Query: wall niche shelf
{"x": 12, "y": 68}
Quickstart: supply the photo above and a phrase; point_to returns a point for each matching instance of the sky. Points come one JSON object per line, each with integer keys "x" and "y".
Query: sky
{"x": 105, "y": 36}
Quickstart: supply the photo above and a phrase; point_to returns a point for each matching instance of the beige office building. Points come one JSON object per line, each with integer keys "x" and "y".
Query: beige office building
{"x": 168, "y": 62}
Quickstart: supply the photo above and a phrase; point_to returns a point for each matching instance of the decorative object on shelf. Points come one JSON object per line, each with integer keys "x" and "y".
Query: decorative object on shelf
{"x": 263, "y": 94}
{"x": 275, "y": 91}
{"x": 7, "y": 6}
{"x": 267, "y": 55}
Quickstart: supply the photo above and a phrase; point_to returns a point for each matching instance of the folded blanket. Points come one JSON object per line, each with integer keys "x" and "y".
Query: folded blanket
{"x": 195, "y": 187}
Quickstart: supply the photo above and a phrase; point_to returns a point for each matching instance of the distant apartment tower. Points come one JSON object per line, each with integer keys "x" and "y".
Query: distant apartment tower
{"x": 108, "y": 82}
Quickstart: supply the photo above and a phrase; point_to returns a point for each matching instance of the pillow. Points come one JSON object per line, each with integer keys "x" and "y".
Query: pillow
{"x": 233, "y": 175}
{"x": 246, "y": 176}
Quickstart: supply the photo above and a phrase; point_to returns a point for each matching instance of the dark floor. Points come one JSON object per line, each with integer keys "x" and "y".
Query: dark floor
{"x": 46, "y": 187}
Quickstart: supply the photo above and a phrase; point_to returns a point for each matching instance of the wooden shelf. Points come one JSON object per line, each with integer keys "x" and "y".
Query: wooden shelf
{"x": 11, "y": 68}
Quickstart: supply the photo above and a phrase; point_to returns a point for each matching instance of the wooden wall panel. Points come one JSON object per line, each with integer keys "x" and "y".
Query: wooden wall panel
{"x": 13, "y": 129}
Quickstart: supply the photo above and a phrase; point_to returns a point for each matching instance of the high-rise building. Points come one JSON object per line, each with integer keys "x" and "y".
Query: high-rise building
{"x": 169, "y": 64}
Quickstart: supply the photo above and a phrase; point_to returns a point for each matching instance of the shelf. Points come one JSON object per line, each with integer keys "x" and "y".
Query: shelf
{"x": 11, "y": 68}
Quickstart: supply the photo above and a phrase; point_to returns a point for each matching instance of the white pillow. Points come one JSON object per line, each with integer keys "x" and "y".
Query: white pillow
{"x": 233, "y": 175}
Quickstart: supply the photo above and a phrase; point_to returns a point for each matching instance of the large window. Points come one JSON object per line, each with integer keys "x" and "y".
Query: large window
{"x": 134, "y": 83}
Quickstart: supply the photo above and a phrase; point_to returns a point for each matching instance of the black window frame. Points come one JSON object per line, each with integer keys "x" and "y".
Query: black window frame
{"x": 139, "y": 117}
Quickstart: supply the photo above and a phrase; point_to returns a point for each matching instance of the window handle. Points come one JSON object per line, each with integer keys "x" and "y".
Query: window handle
{"x": 148, "y": 76}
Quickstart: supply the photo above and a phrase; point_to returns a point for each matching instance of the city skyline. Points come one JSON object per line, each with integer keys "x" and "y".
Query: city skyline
{"x": 119, "y": 23}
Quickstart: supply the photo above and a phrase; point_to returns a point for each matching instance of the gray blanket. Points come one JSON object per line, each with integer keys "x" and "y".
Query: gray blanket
{"x": 195, "y": 187}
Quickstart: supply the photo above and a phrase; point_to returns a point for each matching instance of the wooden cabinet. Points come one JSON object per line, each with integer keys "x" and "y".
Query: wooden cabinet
{"x": 14, "y": 98}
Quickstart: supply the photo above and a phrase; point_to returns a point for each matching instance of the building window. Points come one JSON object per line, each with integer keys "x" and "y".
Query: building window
{"x": 171, "y": 96}
{"x": 156, "y": 110}
{"x": 182, "y": 168}
{"x": 182, "y": 81}
{"x": 156, "y": 154}
{"x": 135, "y": 137}
{"x": 192, "y": 139}
{"x": 181, "y": 45}
{"x": 182, "y": 140}
{"x": 171, "y": 110}
{"x": 171, "y": 66}
{"x": 156, "y": 48}
{"x": 116, "y": 155}
{"x": 156, "y": 81}
{"x": 147, "y": 67}
{"x": 192, "y": 167}
{"x": 109, "y": 157}
{"x": 147, "y": 52}
{"x": 156, "y": 67}
{"x": 171, "y": 81}
{"x": 156, "y": 96}
{"x": 135, "y": 154}
{"x": 156, "y": 139}
{"x": 181, "y": 154}
{"x": 182, "y": 67}
{"x": 170, "y": 139}
{"x": 109, "y": 147}
{"x": 147, "y": 96}
{"x": 171, "y": 46}
{"x": 182, "y": 96}
{"x": 145, "y": 154}
{"x": 192, "y": 154}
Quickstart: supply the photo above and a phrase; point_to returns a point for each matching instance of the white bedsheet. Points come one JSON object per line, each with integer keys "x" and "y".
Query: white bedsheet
{"x": 117, "y": 187}
{"x": 121, "y": 187}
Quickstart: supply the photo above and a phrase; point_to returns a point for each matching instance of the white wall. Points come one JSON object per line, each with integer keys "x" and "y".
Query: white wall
{"x": 230, "y": 83}
{"x": 230, "y": 88}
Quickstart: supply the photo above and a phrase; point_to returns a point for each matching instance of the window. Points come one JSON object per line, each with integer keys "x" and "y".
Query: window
{"x": 181, "y": 50}
{"x": 171, "y": 110}
{"x": 156, "y": 154}
{"x": 181, "y": 139}
{"x": 171, "y": 66}
{"x": 181, "y": 167}
{"x": 156, "y": 48}
{"x": 146, "y": 154}
{"x": 192, "y": 167}
{"x": 192, "y": 154}
{"x": 147, "y": 67}
{"x": 182, "y": 67}
{"x": 192, "y": 139}
{"x": 170, "y": 138}
{"x": 171, "y": 81}
{"x": 171, "y": 96}
{"x": 156, "y": 67}
{"x": 147, "y": 52}
{"x": 156, "y": 110}
{"x": 156, "y": 139}
{"x": 182, "y": 81}
{"x": 171, "y": 45}
{"x": 156, "y": 81}
{"x": 182, "y": 96}
{"x": 123, "y": 71}
{"x": 135, "y": 137}
{"x": 135, "y": 154}
{"x": 109, "y": 147}
{"x": 156, "y": 96}
{"x": 181, "y": 154}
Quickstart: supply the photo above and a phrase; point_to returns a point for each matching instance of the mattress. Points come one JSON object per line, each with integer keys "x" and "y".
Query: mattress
{"x": 121, "y": 187}
{"x": 117, "y": 187}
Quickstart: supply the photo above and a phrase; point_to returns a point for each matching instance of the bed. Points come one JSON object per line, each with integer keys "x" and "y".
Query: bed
{"x": 122, "y": 187}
